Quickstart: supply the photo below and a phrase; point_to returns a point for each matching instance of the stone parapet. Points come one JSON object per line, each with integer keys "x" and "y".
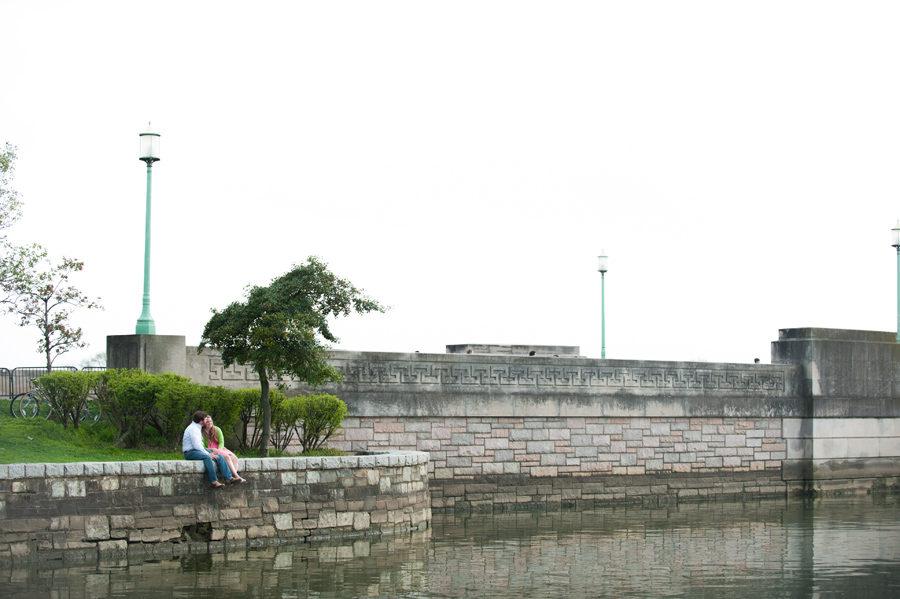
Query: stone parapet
{"x": 49, "y": 511}
{"x": 461, "y": 385}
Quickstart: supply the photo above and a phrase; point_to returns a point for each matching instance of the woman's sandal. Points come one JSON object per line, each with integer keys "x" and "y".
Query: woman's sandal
{"x": 217, "y": 485}
{"x": 235, "y": 480}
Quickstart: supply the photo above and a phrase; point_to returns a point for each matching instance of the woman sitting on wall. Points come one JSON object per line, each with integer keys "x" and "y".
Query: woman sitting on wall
{"x": 215, "y": 442}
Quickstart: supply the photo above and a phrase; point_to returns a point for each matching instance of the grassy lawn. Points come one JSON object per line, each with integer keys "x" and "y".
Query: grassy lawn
{"x": 35, "y": 441}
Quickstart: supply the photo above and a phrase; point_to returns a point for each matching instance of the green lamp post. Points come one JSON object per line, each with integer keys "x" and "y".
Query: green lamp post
{"x": 602, "y": 267}
{"x": 149, "y": 154}
{"x": 895, "y": 241}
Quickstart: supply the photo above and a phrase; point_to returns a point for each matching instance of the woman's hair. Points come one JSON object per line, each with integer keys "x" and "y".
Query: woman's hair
{"x": 211, "y": 434}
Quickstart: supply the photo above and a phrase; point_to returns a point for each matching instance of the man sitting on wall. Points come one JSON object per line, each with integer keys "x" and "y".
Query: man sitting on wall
{"x": 192, "y": 446}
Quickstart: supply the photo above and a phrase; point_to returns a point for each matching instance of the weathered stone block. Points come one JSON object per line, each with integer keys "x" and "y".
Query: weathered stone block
{"x": 96, "y": 528}
{"x": 284, "y": 521}
{"x": 256, "y": 532}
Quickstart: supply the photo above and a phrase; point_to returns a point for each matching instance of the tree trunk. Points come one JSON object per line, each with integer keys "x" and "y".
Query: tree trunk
{"x": 45, "y": 331}
{"x": 266, "y": 413}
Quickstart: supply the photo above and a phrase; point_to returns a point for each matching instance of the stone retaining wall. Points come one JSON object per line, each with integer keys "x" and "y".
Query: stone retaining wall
{"x": 520, "y": 492}
{"x": 826, "y": 411}
{"x": 165, "y": 508}
{"x": 531, "y": 460}
{"x": 541, "y": 447}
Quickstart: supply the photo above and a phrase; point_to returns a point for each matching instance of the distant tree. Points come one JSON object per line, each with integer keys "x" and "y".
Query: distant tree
{"x": 95, "y": 361}
{"x": 10, "y": 207}
{"x": 45, "y": 300}
{"x": 32, "y": 289}
{"x": 16, "y": 262}
{"x": 280, "y": 330}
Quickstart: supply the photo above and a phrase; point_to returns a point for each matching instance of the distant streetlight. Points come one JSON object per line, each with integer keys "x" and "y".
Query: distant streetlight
{"x": 149, "y": 154}
{"x": 602, "y": 267}
{"x": 895, "y": 241}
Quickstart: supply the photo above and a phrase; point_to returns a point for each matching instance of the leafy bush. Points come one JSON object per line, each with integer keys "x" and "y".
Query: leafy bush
{"x": 128, "y": 399}
{"x": 177, "y": 398}
{"x": 251, "y": 414}
{"x": 223, "y": 405}
{"x": 319, "y": 417}
{"x": 286, "y": 412}
{"x": 67, "y": 393}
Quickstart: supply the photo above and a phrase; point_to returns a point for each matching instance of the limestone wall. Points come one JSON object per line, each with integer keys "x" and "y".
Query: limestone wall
{"x": 840, "y": 454}
{"x": 165, "y": 508}
{"x": 485, "y": 415}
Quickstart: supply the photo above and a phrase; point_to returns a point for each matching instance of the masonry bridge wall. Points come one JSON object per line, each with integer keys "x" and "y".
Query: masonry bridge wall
{"x": 161, "y": 509}
{"x": 508, "y": 431}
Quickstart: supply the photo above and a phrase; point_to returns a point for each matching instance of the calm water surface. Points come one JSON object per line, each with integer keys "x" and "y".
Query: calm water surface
{"x": 830, "y": 548}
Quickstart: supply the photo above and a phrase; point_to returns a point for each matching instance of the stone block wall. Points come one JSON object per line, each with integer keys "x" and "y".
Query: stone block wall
{"x": 541, "y": 447}
{"x": 505, "y": 453}
{"x": 165, "y": 508}
{"x": 833, "y": 455}
{"x": 512, "y": 492}
{"x": 490, "y": 415}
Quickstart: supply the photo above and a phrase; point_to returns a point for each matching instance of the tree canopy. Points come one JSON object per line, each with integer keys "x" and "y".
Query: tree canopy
{"x": 45, "y": 300}
{"x": 30, "y": 287}
{"x": 283, "y": 330}
{"x": 15, "y": 261}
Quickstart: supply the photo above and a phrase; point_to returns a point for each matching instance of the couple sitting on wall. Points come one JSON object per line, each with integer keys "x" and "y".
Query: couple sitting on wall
{"x": 192, "y": 445}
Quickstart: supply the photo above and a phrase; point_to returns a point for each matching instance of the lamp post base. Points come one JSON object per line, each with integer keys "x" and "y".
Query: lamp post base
{"x": 145, "y": 326}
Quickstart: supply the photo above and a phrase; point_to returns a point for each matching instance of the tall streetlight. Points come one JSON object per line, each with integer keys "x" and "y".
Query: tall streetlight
{"x": 602, "y": 267}
{"x": 149, "y": 154}
{"x": 895, "y": 241}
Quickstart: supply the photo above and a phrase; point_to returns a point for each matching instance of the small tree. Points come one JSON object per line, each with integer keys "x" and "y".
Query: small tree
{"x": 10, "y": 207}
{"x": 45, "y": 300}
{"x": 16, "y": 262}
{"x": 280, "y": 330}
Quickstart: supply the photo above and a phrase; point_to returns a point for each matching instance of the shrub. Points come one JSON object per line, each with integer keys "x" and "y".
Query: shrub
{"x": 128, "y": 399}
{"x": 177, "y": 398}
{"x": 67, "y": 393}
{"x": 223, "y": 405}
{"x": 320, "y": 417}
{"x": 285, "y": 416}
{"x": 250, "y": 415}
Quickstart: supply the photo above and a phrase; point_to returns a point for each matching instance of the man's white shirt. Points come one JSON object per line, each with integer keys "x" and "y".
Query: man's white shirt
{"x": 193, "y": 437}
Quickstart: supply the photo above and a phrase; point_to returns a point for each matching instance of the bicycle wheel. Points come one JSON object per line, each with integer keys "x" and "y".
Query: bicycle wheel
{"x": 90, "y": 411}
{"x": 14, "y": 406}
{"x": 29, "y": 405}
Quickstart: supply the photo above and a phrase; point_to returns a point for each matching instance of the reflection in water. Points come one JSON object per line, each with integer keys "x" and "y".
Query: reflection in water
{"x": 832, "y": 548}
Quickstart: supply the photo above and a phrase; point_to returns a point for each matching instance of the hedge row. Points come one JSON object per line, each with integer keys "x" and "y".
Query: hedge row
{"x": 133, "y": 400}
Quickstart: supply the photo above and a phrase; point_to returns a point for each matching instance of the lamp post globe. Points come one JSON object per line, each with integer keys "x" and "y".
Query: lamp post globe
{"x": 602, "y": 267}
{"x": 149, "y": 153}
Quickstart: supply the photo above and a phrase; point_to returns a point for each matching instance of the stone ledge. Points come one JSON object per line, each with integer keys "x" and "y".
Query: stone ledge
{"x": 391, "y": 459}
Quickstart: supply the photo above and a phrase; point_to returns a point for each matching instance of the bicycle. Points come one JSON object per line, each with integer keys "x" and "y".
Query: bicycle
{"x": 36, "y": 404}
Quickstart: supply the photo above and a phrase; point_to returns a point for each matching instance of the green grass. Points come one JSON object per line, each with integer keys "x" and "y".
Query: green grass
{"x": 26, "y": 441}
{"x": 37, "y": 441}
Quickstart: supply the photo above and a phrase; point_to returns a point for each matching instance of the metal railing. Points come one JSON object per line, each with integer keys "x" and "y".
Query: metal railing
{"x": 18, "y": 380}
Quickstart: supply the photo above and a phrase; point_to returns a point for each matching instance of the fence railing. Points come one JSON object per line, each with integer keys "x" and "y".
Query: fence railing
{"x": 18, "y": 380}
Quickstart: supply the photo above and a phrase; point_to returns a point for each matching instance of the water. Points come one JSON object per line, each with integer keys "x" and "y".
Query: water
{"x": 830, "y": 548}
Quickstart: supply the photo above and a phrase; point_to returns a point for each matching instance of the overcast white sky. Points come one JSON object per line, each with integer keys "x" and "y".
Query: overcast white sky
{"x": 465, "y": 162}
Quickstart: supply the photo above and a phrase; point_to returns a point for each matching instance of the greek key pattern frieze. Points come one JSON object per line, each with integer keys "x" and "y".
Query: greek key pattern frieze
{"x": 649, "y": 378}
{"x": 218, "y": 372}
